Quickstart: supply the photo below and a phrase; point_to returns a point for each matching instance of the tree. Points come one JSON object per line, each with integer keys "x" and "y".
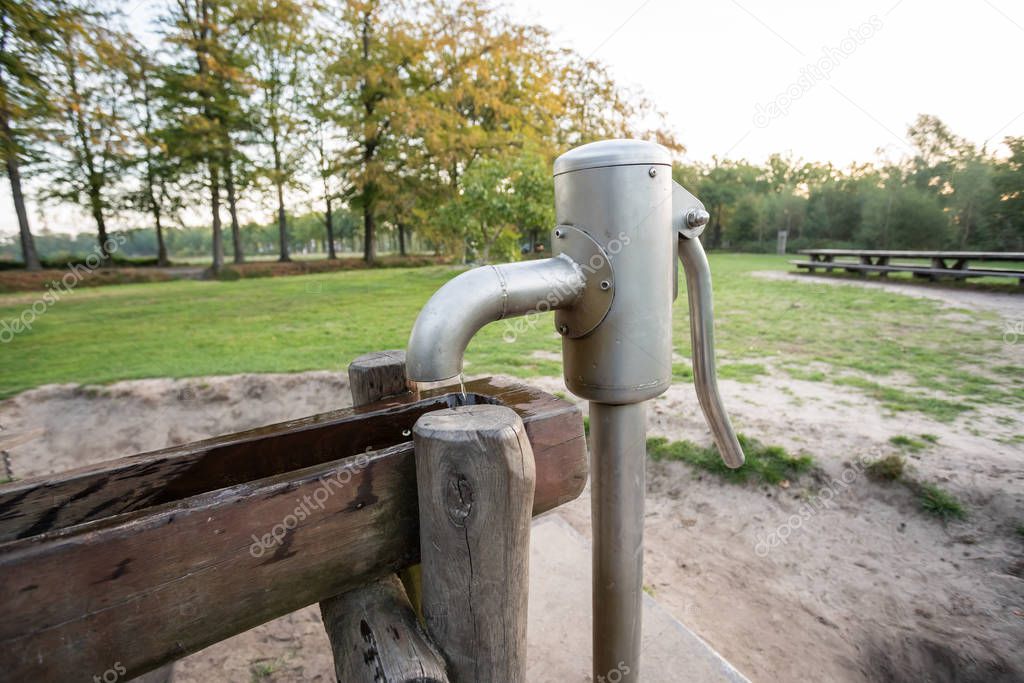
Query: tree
{"x": 203, "y": 87}
{"x": 27, "y": 40}
{"x": 502, "y": 198}
{"x": 326, "y": 171}
{"x": 373, "y": 47}
{"x": 1007, "y": 224}
{"x": 280, "y": 43}
{"x": 149, "y": 156}
{"x": 90, "y": 93}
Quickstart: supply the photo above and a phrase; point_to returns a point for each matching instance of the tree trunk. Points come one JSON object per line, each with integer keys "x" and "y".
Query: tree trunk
{"x": 161, "y": 247}
{"x": 236, "y": 235}
{"x": 155, "y": 209}
{"x": 967, "y": 228}
{"x": 94, "y": 178}
{"x": 401, "y": 239}
{"x": 96, "y": 204}
{"x": 218, "y": 242}
{"x": 370, "y": 142}
{"x": 329, "y": 222}
{"x": 28, "y": 243}
{"x": 282, "y": 224}
{"x": 369, "y": 236}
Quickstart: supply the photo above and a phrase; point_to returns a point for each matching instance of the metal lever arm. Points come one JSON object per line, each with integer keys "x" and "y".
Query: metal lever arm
{"x": 702, "y": 336}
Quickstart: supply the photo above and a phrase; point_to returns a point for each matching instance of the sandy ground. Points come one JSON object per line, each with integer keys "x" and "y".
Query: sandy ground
{"x": 834, "y": 578}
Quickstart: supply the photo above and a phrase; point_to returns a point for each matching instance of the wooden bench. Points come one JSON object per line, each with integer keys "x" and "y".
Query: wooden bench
{"x": 940, "y": 264}
{"x": 131, "y": 564}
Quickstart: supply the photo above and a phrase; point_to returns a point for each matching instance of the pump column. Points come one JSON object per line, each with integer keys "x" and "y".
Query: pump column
{"x": 618, "y": 457}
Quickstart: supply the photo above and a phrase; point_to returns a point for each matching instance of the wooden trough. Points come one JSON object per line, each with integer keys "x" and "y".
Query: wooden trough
{"x": 139, "y": 561}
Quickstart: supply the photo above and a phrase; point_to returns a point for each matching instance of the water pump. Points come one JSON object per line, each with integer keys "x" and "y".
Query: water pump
{"x": 622, "y": 222}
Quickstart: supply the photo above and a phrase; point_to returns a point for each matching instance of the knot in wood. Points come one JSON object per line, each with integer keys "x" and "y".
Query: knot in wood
{"x": 458, "y": 498}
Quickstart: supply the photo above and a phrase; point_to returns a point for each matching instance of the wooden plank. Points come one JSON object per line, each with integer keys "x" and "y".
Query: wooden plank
{"x": 374, "y": 630}
{"x": 148, "y": 586}
{"x": 162, "y": 583}
{"x": 50, "y": 502}
{"x": 476, "y": 479}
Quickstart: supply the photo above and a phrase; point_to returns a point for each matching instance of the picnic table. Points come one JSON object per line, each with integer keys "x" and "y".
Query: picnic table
{"x": 937, "y": 264}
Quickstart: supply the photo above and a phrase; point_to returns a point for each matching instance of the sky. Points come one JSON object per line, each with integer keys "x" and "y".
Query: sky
{"x": 823, "y": 81}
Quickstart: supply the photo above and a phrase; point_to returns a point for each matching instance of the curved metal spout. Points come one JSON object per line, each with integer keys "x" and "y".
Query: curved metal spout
{"x": 466, "y": 303}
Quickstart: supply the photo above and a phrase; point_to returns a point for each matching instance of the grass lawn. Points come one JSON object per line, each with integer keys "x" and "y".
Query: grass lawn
{"x": 940, "y": 359}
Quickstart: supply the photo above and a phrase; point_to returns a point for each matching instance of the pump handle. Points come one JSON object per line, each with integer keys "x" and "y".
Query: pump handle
{"x": 689, "y": 220}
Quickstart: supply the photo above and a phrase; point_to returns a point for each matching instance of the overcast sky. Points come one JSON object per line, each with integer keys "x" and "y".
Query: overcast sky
{"x": 826, "y": 81}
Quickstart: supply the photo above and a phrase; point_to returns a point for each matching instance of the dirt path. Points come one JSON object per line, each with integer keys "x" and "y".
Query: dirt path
{"x": 1009, "y": 305}
{"x": 865, "y": 587}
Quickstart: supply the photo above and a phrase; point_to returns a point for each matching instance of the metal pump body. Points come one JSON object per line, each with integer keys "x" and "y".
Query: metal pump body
{"x": 619, "y": 193}
{"x": 622, "y": 222}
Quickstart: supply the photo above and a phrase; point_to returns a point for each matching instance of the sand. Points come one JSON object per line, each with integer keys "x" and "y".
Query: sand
{"x": 865, "y": 586}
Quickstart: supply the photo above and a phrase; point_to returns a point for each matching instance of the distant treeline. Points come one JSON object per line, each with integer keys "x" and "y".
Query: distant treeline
{"x": 944, "y": 193}
{"x": 305, "y": 235}
{"x": 437, "y": 116}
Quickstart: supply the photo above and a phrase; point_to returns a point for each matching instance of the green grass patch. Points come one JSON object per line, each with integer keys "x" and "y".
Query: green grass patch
{"x": 323, "y": 320}
{"x": 940, "y": 503}
{"x": 682, "y": 373}
{"x": 806, "y": 375}
{"x": 889, "y": 468}
{"x": 741, "y": 372}
{"x": 907, "y": 443}
{"x": 770, "y": 464}
{"x": 899, "y": 400}
{"x": 930, "y": 438}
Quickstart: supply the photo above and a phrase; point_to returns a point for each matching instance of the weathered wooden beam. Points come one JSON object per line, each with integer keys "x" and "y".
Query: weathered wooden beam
{"x": 51, "y": 502}
{"x": 48, "y": 503}
{"x": 374, "y": 631}
{"x": 150, "y": 585}
{"x": 376, "y": 636}
{"x": 475, "y": 474}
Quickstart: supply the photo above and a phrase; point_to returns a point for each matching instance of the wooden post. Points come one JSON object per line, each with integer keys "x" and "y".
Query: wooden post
{"x": 374, "y": 631}
{"x": 475, "y": 475}
{"x": 374, "y": 376}
{"x": 371, "y": 377}
{"x": 375, "y": 636}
